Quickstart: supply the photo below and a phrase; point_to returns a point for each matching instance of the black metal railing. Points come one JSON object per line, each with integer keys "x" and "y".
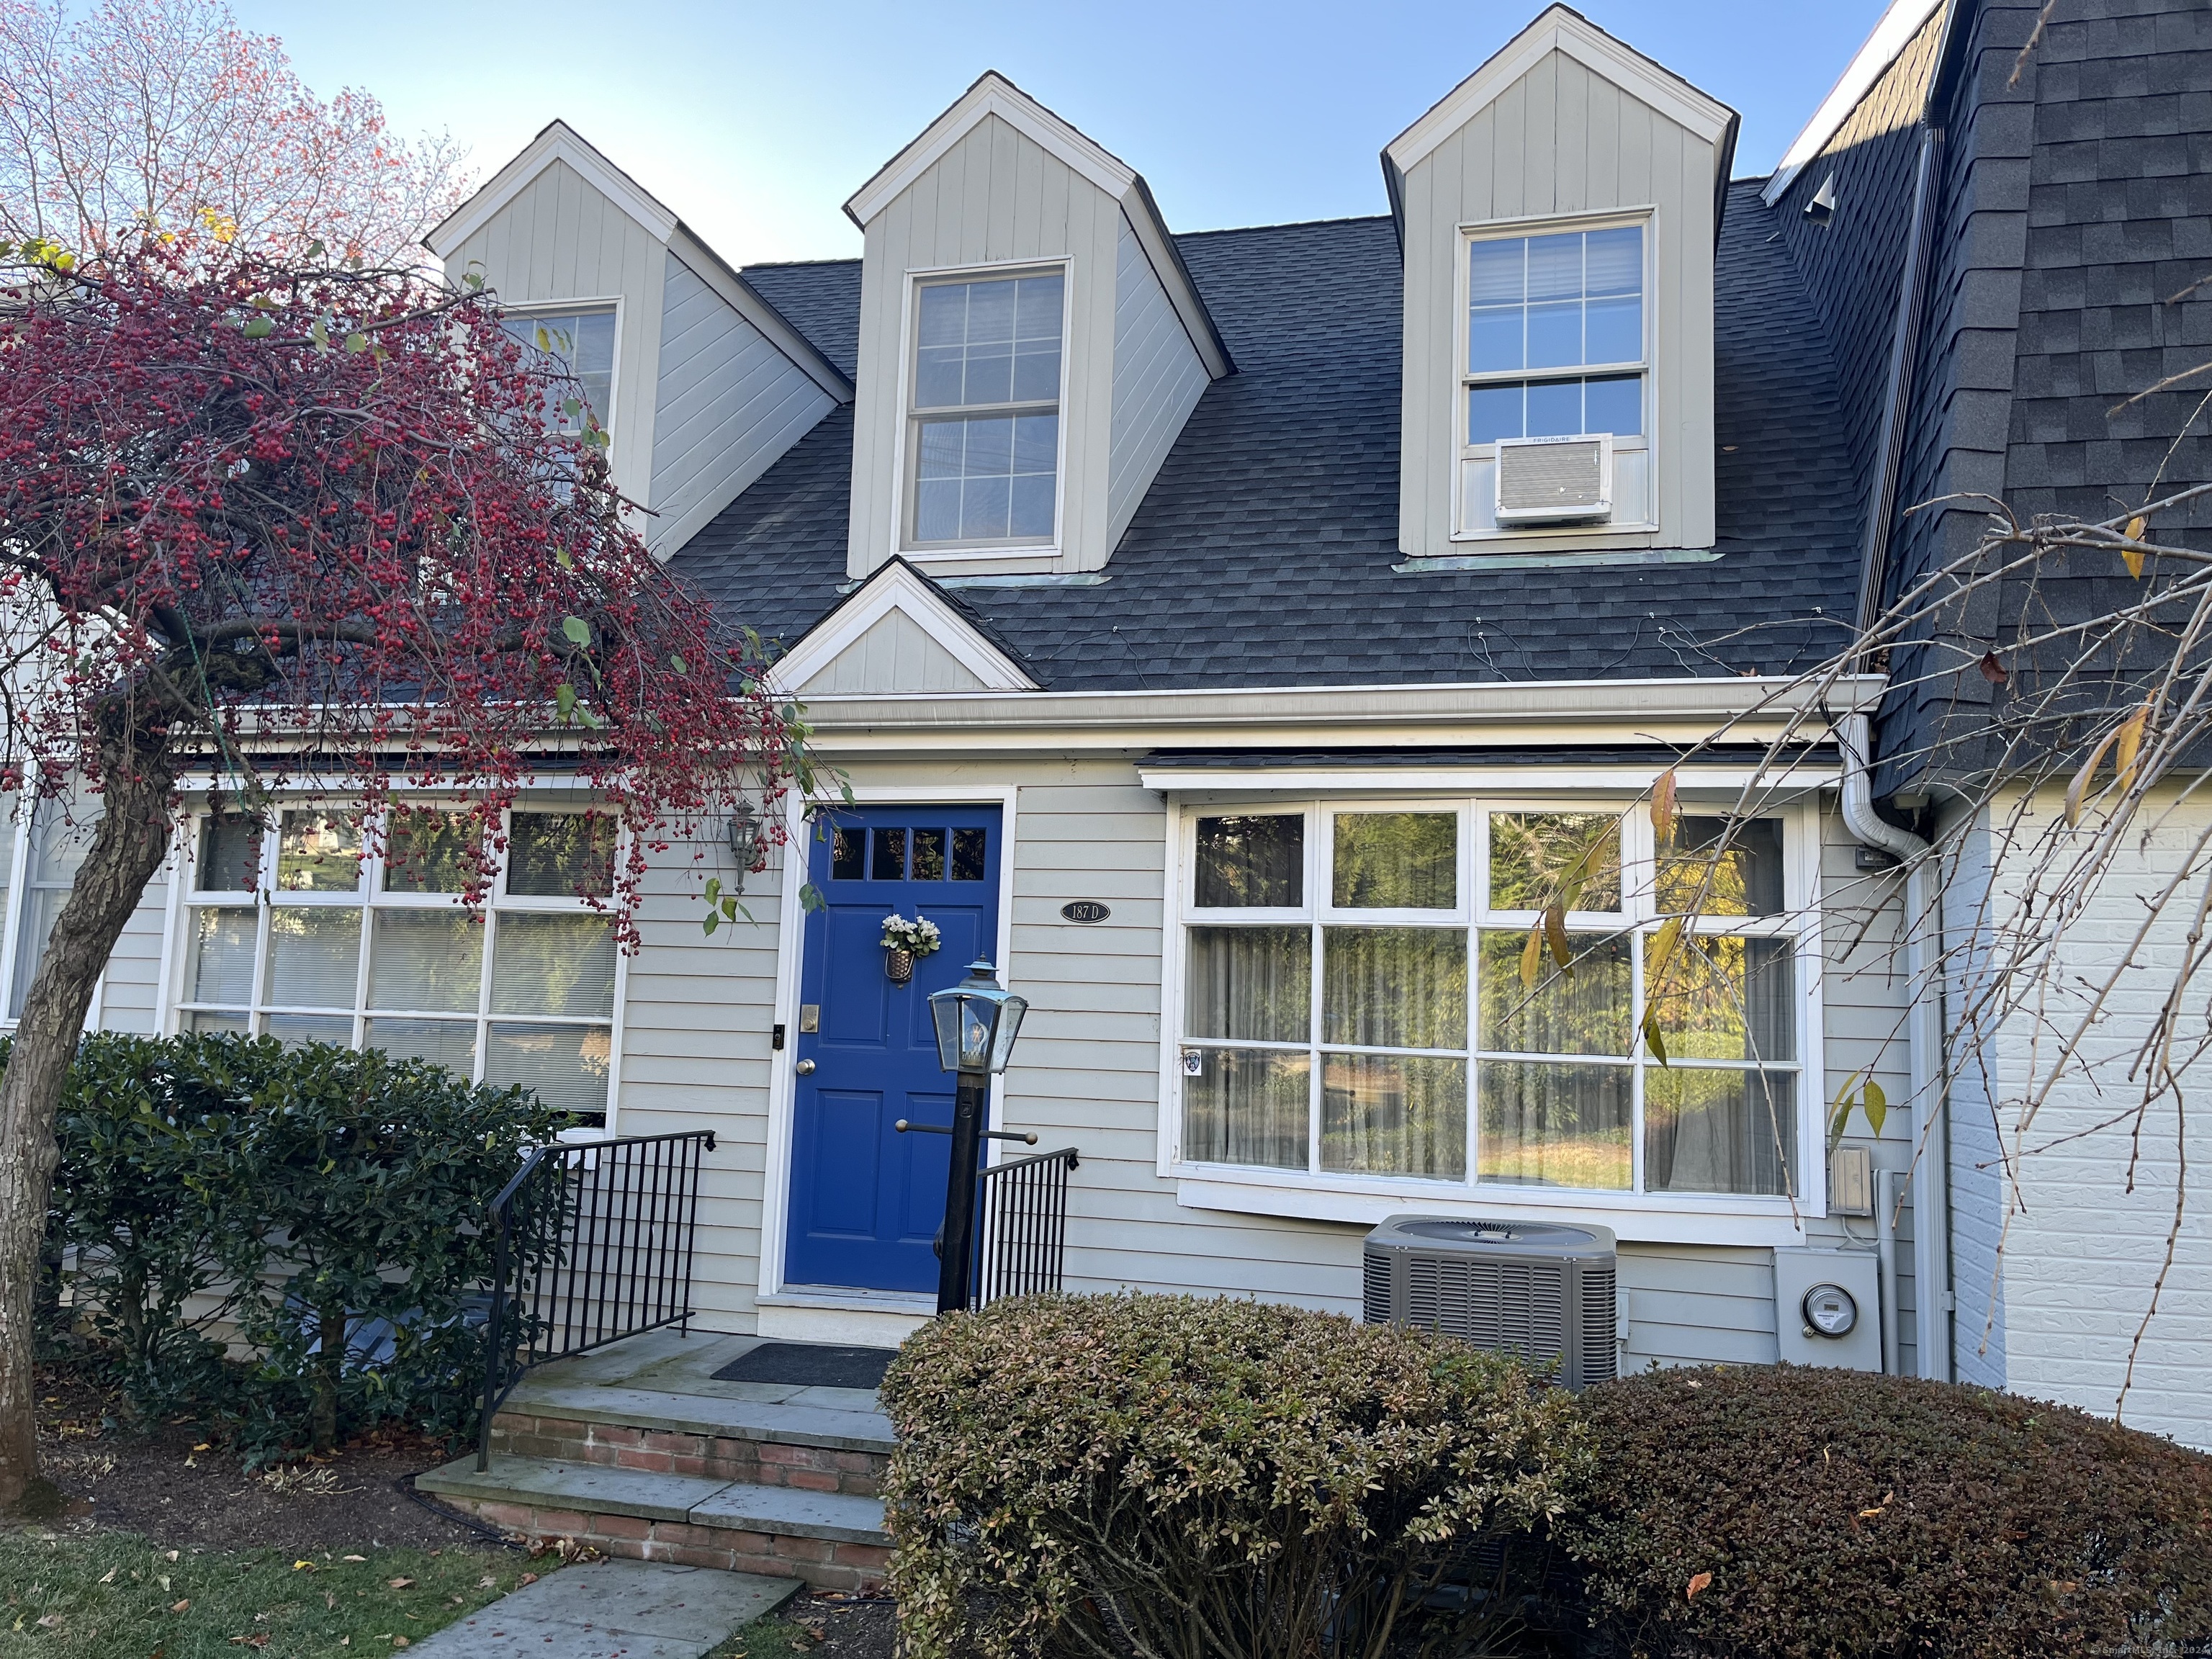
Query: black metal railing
{"x": 592, "y": 1242}
{"x": 1021, "y": 1219}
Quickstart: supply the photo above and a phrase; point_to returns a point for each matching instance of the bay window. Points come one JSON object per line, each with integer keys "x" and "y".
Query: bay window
{"x": 1369, "y": 996}
{"x": 296, "y": 929}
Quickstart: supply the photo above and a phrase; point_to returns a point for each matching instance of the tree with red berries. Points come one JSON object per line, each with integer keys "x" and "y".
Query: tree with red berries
{"x": 308, "y": 523}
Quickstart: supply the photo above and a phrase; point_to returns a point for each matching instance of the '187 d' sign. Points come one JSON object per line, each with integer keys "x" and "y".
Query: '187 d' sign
{"x": 1085, "y": 911}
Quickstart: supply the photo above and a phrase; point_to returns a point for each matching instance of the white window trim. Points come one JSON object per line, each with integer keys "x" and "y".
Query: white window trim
{"x": 368, "y": 896}
{"x": 904, "y": 544}
{"x": 1648, "y": 441}
{"x": 1690, "y": 1217}
{"x": 612, "y": 302}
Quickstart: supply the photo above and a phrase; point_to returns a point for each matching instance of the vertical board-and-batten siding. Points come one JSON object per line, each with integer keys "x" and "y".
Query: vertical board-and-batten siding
{"x": 560, "y": 239}
{"x": 1562, "y": 140}
{"x": 729, "y": 404}
{"x": 1158, "y": 378}
{"x": 996, "y": 197}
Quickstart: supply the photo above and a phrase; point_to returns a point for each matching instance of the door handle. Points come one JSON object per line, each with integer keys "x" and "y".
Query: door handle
{"x": 805, "y": 1068}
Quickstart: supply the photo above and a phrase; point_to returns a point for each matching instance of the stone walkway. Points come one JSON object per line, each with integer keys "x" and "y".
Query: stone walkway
{"x": 613, "y": 1610}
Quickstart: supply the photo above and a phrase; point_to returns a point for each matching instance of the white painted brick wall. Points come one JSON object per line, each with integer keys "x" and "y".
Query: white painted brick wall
{"x": 2090, "y": 1208}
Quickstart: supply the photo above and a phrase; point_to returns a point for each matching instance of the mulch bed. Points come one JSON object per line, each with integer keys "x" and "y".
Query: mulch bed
{"x": 177, "y": 1485}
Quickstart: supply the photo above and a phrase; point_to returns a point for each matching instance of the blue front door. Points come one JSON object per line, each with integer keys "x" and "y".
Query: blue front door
{"x": 865, "y": 1201}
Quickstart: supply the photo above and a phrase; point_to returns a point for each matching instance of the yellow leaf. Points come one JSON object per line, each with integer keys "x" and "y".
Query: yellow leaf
{"x": 1663, "y": 807}
{"x": 2128, "y": 743}
{"x": 1555, "y": 930}
{"x": 1664, "y": 944}
{"x": 1532, "y": 957}
{"x": 1874, "y": 1105}
{"x": 1653, "y": 1041}
{"x": 2078, "y": 789}
{"x": 1840, "y": 1110}
{"x": 2132, "y": 557}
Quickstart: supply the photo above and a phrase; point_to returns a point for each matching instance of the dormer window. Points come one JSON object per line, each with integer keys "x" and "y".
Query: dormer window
{"x": 983, "y": 419}
{"x": 581, "y": 344}
{"x": 1555, "y": 345}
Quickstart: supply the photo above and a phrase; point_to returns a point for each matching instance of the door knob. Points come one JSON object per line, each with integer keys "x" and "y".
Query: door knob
{"x": 806, "y": 1068}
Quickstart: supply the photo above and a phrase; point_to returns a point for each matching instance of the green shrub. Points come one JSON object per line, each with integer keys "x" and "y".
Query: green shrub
{"x": 1172, "y": 1476}
{"x": 323, "y": 1205}
{"x": 1840, "y": 1514}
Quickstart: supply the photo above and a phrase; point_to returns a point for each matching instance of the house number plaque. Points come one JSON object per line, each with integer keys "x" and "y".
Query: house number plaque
{"x": 1085, "y": 911}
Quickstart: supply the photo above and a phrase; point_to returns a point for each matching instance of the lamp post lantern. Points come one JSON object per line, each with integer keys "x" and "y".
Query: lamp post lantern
{"x": 977, "y": 1021}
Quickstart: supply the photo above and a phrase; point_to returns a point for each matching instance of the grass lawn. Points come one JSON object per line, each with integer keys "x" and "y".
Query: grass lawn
{"x": 110, "y": 1595}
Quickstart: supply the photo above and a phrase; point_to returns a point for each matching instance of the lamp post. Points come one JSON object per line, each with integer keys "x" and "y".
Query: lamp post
{"x": 977, "y": 1021}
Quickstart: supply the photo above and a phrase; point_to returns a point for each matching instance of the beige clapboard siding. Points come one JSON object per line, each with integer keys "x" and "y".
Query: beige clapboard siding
{"x": 994, "y": 197}
{"x": 130, "y": 989}
{"x": 1157, "y": 380}
{"x": 1562, "y": 140}
{"x": 896, "y": 651}
{"x": 559, "y": 240}
{"x": 1692, "y": 1304}
{"x": 729, "y": 404}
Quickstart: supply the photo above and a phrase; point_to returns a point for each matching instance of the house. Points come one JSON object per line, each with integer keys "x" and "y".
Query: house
{"x": 1204, "y": 644}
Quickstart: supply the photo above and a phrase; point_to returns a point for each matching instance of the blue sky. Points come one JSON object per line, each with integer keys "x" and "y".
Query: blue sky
{"x": 755, "y": 122}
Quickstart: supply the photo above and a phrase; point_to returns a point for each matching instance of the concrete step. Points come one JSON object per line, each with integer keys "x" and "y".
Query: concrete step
{"x": 831, "y": 1540}
{"x": 613, "y": 1610}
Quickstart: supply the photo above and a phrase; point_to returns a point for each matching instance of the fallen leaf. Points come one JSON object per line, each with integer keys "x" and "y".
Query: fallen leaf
{"x": 108, "y": 1577}
{"x": 50, "y": 1621}
{"x": 1700, "y": 1582}
{"x": 170, "y": 1556}
{"x": 401, "y": 1583}
{"x": 204, "y": 1446}
{"x": 328, "y": 1600}
{"x": 179, "y": 1606}
{"x": 526, "y": 1579}
{"x": 398, "y": 1641}
{"x": 353, "y": 1558}
{"x": 487, "y": 1583}
{"x": 303, "y": 1566}
{"x": 1868, "y": 1514}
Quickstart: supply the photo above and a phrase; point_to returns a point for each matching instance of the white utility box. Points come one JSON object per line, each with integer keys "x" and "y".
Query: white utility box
{"x": 1827, "y": 1307}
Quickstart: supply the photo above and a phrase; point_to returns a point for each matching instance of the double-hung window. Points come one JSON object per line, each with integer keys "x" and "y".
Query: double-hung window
{"x": 1557, "y": 332}
{"x": 1369, "y": 996}
{"x": 581, "y": 343}
{"x": 293, "y": 930}
{"x": 42, "y": 844}
{"x": 983, "y": 421}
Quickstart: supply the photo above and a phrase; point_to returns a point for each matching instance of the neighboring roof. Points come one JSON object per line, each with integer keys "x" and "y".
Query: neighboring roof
{"x": 559, "y": 142}
{"x": 1563, "y": 29}
{"x": 1903, "y": 19}
{"x": 993, "y": 95}
{"x": 1265, "y": 552}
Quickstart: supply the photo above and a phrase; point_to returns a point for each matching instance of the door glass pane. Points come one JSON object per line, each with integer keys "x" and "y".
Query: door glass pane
{"x": 451, "y": 1043}
{"x": 426, "y": 959}
{"x": 849, "y": 857}
{"x": 1246, "y": 1106}
{"x": 554, "y": 965}
{"x": 318, "y": 852}
{"x": 314, "y": 957}
{"x": 888, "y": 858}
{"x": 929, "y": 855}
{"x": 565, "y": 1066}
{"x": 1395, "y": 861}
{"x": 229, "y": 859}
{"x": 428, "y": 851}
{"x": 1718, "y": 1132}
{"x": 1251, "y": 862}
{"x": 1584, "y": 1011}
{"x": 220, "y": 970}
{"x": 1395, "y": 1114}
{"x": 1556, "y": 1125}
{"x": 1697, "y": 876}
{"x": 1727, "y": 999}
{"x": 1253, "y": 984}
{"x": 968, "y": 853}
{"x": 294, "y": 1030}
{"x": 560, "y": 855}
{"x": 1537, "y": 858}
{"x": 1394, "y": 987}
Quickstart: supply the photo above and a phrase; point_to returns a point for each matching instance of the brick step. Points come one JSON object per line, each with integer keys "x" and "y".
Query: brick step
{"x": 750, "y": 1453}
{"x": 830, "y": 1540}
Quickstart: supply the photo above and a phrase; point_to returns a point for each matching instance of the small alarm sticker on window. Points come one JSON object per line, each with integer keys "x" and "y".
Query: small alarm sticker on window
{"x": 1193, "y": 1062}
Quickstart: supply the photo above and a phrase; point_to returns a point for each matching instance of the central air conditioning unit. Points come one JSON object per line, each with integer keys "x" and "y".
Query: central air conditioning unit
{"x": 1554, "y": 480}
{"x": 1543, "y": 1291}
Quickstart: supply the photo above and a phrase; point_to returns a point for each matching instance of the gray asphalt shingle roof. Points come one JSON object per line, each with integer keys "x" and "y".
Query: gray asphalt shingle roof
{"x": 1263, "y": 553}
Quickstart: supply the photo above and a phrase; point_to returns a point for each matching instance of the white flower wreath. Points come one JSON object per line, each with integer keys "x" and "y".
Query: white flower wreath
{"x": 917, "y": 938}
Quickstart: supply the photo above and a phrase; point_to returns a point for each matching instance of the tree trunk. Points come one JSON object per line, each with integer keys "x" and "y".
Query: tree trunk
{"x": 330, "y": 1358}
{"x": 128, "y": 848}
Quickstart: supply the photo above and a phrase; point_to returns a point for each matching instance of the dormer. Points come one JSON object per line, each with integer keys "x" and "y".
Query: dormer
{"x": 1557, "y": 215}
{"x": 1030, "y": 345}
{"x": 701, "y": 383}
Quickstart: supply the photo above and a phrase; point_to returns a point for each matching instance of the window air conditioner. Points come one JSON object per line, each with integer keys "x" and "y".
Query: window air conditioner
{"x": 1554, "y": 480}
{"x": 1539, "y": 1290}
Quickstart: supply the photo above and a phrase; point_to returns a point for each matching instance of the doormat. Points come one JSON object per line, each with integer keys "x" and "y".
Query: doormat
{"x": 809, "y": 1365}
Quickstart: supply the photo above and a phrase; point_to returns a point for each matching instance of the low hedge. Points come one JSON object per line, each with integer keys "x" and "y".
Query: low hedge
{"x": 1793, "y": 1513}
{"x": 1173, "y": 1476}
